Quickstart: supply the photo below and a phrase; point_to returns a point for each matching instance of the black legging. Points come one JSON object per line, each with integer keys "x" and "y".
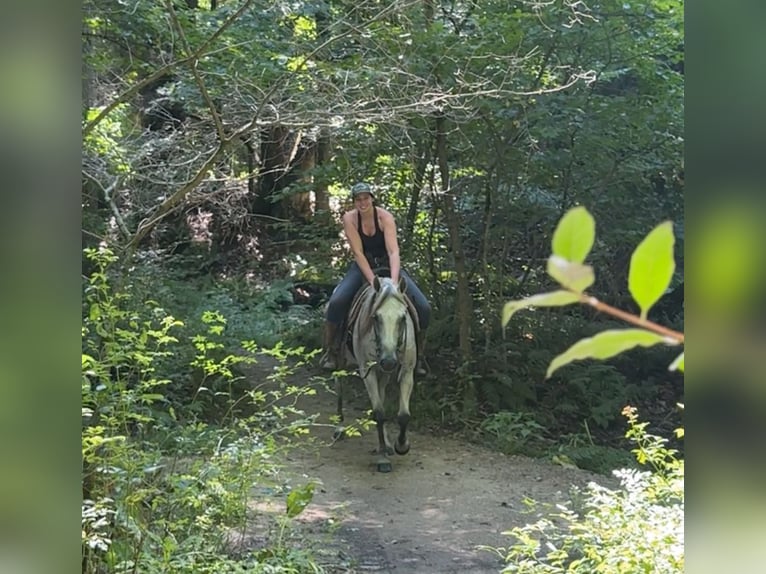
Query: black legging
{"x": 343, "y": 295}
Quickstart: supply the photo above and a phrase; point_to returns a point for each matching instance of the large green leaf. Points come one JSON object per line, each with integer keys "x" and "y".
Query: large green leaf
{"x": 552, "y": 299}
{"x": 606, "y": 344}
{"x": 576, "y": 277}
{"x": 651, "y": 267}
{"x": 298, "y": 499}
{"x": 726, "y": 274}
{"x": 574, "y": 235}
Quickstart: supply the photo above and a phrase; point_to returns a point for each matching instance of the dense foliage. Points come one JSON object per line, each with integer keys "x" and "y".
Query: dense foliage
{"x": 637, "y": 527}
{"x": 220, "y": 139}
{"x": 228, "y": 132}
{"x": 174, "y": 447}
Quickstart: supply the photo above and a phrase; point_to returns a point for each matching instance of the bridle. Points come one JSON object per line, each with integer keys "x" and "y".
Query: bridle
{"x": 402, "y": 344}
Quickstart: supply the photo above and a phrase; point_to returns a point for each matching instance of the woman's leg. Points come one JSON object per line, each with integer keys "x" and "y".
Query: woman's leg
{"x": 423, "y": 308}
{"x": 342, "y": 296}
{"x": 337, "y": 309}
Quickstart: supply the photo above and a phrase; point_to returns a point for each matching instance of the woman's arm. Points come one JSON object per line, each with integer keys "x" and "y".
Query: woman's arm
{"x": 392, "y": 244}
{"x": 355, "y": 244}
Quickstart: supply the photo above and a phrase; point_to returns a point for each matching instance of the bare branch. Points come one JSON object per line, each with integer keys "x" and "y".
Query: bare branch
{"x": 197, "y": 78}
{"x": 109, "y": 199}
{"x": 171, "y": 202}
{"x": 133, "y": 90}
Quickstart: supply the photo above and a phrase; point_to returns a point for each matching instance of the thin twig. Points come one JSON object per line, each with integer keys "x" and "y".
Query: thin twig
{"x": 633, "y": 319}
{"x": 197, "y": 78}
{"x": 130, "y": 92}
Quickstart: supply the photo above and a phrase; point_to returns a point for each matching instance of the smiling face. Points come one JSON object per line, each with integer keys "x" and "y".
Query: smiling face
{"x": 363, "y": 202}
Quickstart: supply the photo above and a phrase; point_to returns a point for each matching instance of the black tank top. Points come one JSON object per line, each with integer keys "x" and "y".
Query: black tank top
{"x": 374, "y": 246}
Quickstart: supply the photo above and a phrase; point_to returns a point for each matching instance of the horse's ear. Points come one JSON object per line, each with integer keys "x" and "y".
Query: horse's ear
{"x": 376, "y": 283}
{"x": 402, "y": 285}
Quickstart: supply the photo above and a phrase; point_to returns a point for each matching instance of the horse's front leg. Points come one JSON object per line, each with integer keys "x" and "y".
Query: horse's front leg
{"x": 340, "y": 430}
{"x": 406, "y": 383}
{"x": 376, "y": 392}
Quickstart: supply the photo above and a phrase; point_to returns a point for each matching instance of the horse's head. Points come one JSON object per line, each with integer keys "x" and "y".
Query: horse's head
{"x": 390, "y": 320}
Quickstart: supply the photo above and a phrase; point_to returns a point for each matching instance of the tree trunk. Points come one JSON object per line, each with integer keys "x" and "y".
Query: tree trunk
{"x": 417, "y": 186}
{"x": 485, "y": 267}
{"x": 322, "y": 199}
{"x": 272, "y": 176}
{"x": 299, "y": 203}
{"x": 464, "y": 308}
{"x": 252, "y": 160}
{"x": 286, "y": 159}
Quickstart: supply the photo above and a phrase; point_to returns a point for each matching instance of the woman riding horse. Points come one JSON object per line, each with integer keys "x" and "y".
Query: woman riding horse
{"x": 371, "y": 234}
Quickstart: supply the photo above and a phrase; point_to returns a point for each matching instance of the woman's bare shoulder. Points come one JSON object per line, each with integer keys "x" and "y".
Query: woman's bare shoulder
{"x": 385, "y": 215}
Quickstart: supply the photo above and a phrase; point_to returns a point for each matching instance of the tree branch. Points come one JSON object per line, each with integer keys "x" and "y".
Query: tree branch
{"x": 197, "y": 78}
{"x": 620, "y": 314}
{"x": 166, "y": 206}
{"x": 133, "y": 90}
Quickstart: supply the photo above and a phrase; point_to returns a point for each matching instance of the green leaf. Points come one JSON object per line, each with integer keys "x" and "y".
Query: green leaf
{"x": 726, "y": 274}
{"x": 651, "y": 267}
{"x": 576, "y": 277}
{"x": 607, "y": 344}
{"x": 298, "y": 499}
{"x": 574, "y": 235}
{"x": 552, "y": 299}
{"x": 677, "y": 364}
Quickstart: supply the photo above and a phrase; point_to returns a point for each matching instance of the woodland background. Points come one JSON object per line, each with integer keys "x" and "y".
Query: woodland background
{"x": 220, "y": 140}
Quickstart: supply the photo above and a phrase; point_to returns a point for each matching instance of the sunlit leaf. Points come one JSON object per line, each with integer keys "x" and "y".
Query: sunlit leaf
{"x": 606, "y": 344}
{"x": 298, "y": 499}
{"x": 726, "y": 274}
{"x": 651, "y": 267}
{"x": 552, "y": 299}
{"x": 574, "y": 276}
{"x": 564, "y": 460}
{"x": 677, "y": 364}
{"x": 574, "y": 235}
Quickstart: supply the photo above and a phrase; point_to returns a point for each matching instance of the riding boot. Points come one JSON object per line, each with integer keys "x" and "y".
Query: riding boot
{"x": 330, "y": 344}
{"x": 421, "y": 367}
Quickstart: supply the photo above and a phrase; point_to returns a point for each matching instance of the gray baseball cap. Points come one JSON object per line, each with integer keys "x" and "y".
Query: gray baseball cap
{"x": 361, "y": 187}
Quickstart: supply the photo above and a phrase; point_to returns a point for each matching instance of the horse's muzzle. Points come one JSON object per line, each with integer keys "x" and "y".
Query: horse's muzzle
{"x": 388, "y": 364}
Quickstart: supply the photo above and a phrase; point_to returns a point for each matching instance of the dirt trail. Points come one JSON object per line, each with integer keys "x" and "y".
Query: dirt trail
{"x": 428, "y": 515}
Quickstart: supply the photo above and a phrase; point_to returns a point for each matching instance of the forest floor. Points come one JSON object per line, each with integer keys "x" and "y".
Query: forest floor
{"x": 443, "y": 500}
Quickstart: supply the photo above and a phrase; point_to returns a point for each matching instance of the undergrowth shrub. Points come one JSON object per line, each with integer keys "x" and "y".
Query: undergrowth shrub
{"x": 262, "y": 312}
{"x": 637, "y": 527}
{"x": 513, "y": 432}
{"x": 589, "y": 391}
{"x": 510, "y": 375}
{"x": 580, "y": 450}
{"x": 165, "y": 487}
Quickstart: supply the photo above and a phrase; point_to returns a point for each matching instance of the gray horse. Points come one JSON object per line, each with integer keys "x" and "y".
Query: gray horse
{"x": 382, "y": 323}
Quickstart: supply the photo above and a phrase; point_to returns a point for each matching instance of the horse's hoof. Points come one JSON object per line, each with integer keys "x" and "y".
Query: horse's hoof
{"x": 384, "y": 466}
{"x": 402, "y": 448}
{"x": 339, "y": 433}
